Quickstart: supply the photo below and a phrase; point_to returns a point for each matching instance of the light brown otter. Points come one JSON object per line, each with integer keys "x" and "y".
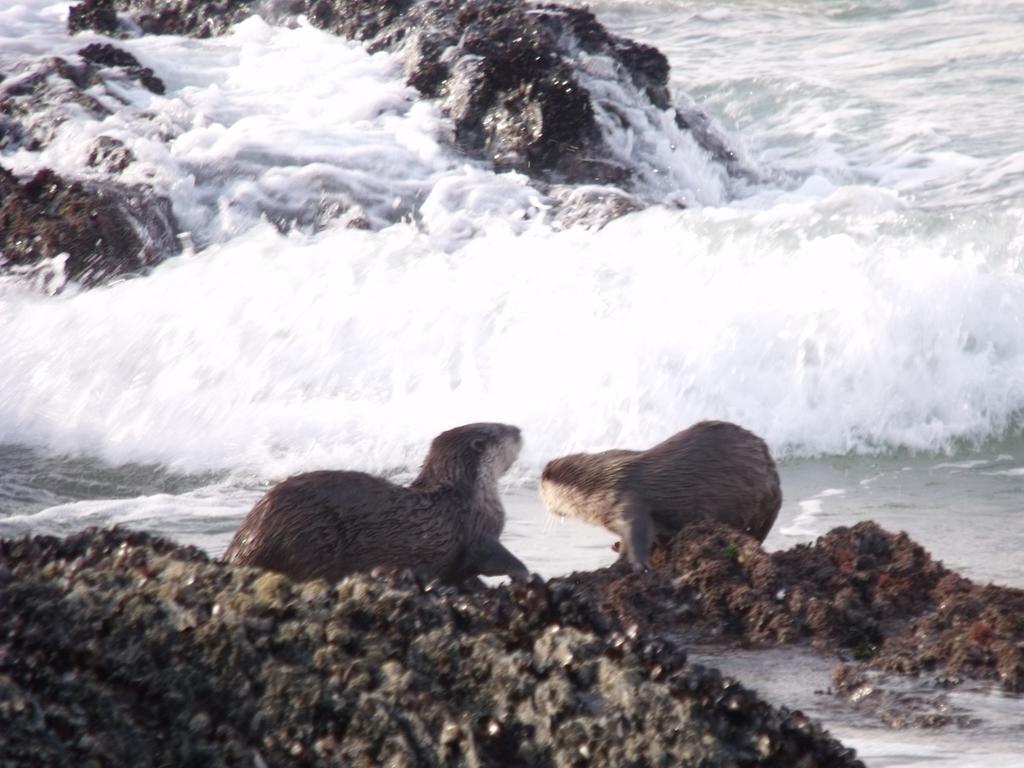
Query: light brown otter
{"x": 444, "y": 525}
{"x": 712, "y": 470}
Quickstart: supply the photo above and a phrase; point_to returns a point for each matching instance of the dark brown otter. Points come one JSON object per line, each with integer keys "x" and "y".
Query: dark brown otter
{"x": 444, "y": 525}
{"x": 713, "y": 470}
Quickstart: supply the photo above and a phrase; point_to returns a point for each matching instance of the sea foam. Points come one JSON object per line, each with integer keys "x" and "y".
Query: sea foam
{"x": 271, "y": 353}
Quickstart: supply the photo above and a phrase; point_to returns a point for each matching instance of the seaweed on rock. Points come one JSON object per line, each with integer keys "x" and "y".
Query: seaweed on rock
{"x": 865, "y": 593}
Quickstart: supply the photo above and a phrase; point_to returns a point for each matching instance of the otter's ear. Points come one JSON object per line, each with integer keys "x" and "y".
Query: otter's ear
{"x": 478, "y": 444}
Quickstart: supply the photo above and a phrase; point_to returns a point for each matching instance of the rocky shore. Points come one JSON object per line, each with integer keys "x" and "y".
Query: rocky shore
{"x": 121, "y": 648}
{"x": 119, "y": 644}
{"x": 864, "y": 594}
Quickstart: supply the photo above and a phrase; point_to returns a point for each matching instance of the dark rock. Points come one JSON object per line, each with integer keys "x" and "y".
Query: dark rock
{"x": 864, "y": 593}
{"x": 96, "y": 231}
{"x": 35, "y": 102}
{"x": 98, "y": 15}
{"x": 971, "y": 631}
{"x": 360, "y": 19}
{"x": 120, "y": 648}
{"x": 110, "y": 155}
{"x": 54, "y": 229}
{"x": 509, "y": 76}
{"x": 195, "y": 18}
{"x": 107, "y": 55}
{"x": 590, "y": 206}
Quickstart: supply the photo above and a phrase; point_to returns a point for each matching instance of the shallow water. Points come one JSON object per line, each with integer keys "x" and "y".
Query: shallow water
{"x": 932, "y": 499}
{"x": 858, "y": 303}
{"x": 801, "y": 679}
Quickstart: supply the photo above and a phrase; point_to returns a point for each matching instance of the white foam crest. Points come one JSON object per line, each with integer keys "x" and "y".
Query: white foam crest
{"x": 670, "y": 166}
{"x": 1015, "y": 472}
{"x": 829, "y": 492}
{"x": 274, "y": 353}
{"x": 806, "y": 521}
{"x": 194, "y": 505}
{"x": 205, "y": 517}
{"x": 971, "y": 463}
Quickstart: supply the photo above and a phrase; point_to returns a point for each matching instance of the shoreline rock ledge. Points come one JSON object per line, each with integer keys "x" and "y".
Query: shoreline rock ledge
{"x": 121, "y": 648}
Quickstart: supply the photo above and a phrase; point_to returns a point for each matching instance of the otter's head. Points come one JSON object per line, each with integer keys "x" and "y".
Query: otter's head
{"x": 578, "y": 485}
{"x": 465, "y": 456}
{"x": 559, "y": 485}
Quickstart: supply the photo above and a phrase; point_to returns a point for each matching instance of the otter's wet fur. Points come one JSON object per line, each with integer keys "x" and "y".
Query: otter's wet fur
{"x": 444, "y": 525}
{"x": 712, "y": 470}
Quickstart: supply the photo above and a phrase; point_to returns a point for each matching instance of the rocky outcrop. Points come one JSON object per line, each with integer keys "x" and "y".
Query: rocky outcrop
{"x": 506, "y": 73}
{"x": 54, "y": 230}
{"x": 862, "y": 592}
{"x": 97, "y": 15}
{"x": 509, "y": 74}
{"x": 36, "y": 101}
{"x": 195, "y": 18}
{"x": 122, "y": 649}
{"x": 106, "y": 55}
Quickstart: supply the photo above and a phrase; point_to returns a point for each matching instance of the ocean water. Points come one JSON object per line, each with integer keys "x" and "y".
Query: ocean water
{"x": 858, "y": 300}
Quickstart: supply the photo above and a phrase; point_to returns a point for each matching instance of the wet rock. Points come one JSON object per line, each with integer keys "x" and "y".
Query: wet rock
{"x": 54, "y": 230}
{"x": 98, "y": 15}
{"x": 512, "y": 76}
{"x": 897, "y": 703}
{"x": 713, "y": 583}
{"x": 110, "y": 155}
{"x": 195, "y": 18}
{"x": 864, "y": 593}
{"x": 38, "y": 99}
{"x": 107, "y": 55}
{"x": 36, "y": 102}
{"x": 507, "y": 82}
{"x": 120, "y": 644}
{"x": 590, "y": 206}
{"x": 972, "y": 630}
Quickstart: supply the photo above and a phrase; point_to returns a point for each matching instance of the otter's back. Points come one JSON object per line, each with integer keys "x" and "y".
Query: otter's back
{"x": 326, "y": 524}
{"x": 712, "y": 469}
